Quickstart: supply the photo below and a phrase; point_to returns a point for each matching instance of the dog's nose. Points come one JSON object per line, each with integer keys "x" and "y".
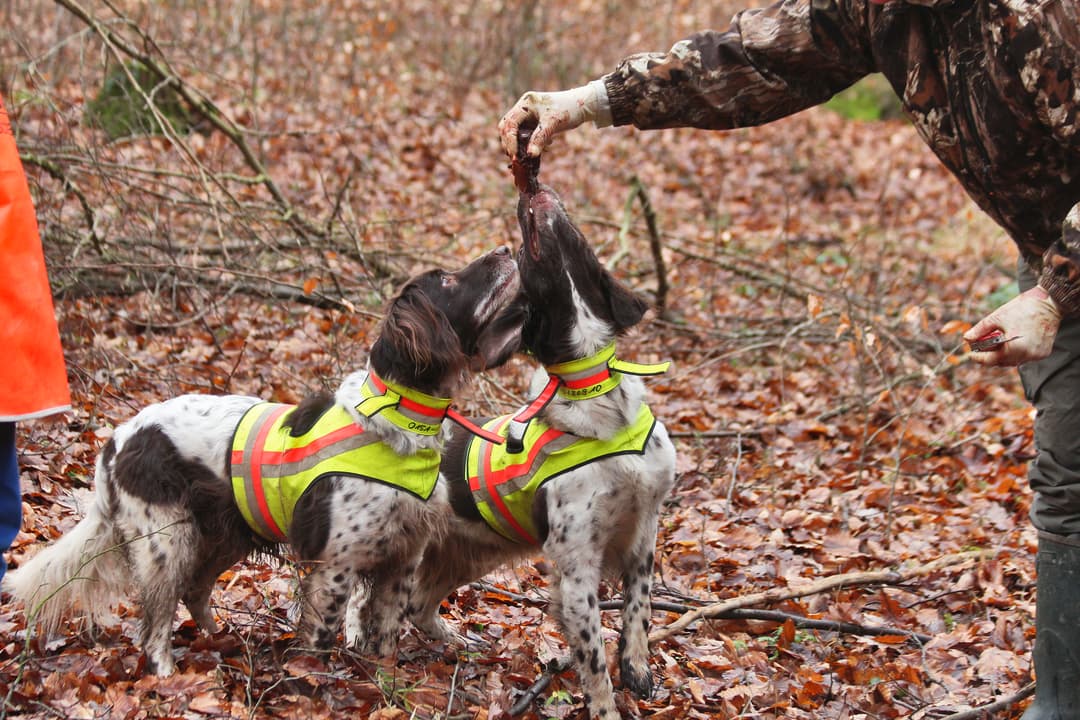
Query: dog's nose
{"x": 502, "y": 250}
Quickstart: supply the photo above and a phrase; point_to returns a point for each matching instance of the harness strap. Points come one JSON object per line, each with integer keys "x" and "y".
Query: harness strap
{"x": 473, "y": 427}
{"x": 519, "y": 423}
{"x": 540, "y": 401}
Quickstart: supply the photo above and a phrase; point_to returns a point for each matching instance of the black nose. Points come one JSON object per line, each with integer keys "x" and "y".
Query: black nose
{"x": 502, "y": 250}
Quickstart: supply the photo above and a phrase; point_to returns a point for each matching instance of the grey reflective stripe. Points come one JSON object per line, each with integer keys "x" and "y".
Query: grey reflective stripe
{"x": 513, "y": 485}
{"x": 586, "y": 373}
{"x": 417, "y": 417}
{"x": 256, "y": 513}
{"x": 397, "y": 406}
{"x": 280, "y": 470}
{"x": 372, "y": 389}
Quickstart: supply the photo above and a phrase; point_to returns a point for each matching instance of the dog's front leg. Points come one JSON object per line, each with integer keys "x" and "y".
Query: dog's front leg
{"x": 326, "y": 591}
{"x": 637, "y": 608}
{"x": 576, "y": 606}
{"x": 354, "y": 616}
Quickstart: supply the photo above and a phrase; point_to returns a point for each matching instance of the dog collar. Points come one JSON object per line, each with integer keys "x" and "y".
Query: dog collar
{"x": 581, "y": 379}
{"x": 597, "y": 374}
{"x": 411, "y": 409}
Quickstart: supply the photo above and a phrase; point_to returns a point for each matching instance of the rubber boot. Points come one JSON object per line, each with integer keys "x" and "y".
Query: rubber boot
{"x": 1057, "y": 630}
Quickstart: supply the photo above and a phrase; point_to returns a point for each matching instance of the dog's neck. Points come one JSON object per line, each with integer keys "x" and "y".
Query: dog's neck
{"x": 595, "y": 396}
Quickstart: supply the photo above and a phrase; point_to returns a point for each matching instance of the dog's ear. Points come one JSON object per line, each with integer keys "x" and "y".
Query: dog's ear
{"x": 627, "y": 308}
{"x": 417, "y": 344}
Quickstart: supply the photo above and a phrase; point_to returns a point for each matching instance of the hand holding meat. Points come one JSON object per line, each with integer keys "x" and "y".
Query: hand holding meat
{"x": 553, "y": 112}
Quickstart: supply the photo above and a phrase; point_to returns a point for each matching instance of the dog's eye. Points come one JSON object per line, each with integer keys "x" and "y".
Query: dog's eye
{"x": 448, "y": 280}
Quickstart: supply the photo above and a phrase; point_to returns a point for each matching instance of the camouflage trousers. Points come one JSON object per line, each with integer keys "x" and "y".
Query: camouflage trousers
{"x": 1052, "y": 385}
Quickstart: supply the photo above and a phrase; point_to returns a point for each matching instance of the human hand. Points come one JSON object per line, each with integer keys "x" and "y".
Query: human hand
{"x": 1031, "y": 319}
{"x": 553, "y": 113}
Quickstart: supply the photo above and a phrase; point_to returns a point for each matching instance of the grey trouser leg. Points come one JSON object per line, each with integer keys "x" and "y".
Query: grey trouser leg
{"x": 1052, "y": 385}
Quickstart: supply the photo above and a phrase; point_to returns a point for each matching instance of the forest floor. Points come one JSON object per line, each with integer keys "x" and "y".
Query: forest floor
{"x": 840, "y": 462}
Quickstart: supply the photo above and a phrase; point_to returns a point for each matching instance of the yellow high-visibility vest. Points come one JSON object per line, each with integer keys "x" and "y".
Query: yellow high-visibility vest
{"x": 504, "y": 484}
{"x": 271, "y": 469}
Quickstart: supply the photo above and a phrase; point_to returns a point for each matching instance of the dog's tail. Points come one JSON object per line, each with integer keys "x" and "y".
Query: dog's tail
{"x": 82, "y": 571}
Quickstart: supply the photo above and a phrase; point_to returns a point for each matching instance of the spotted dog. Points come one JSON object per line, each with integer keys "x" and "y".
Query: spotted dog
{"x": 194, "y": 484}
{"x": 585, "y": 469}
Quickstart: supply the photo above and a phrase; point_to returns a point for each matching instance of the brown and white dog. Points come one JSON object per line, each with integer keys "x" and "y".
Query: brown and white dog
{"x": 594, "y": 466}
{"x": 169, "y": 512}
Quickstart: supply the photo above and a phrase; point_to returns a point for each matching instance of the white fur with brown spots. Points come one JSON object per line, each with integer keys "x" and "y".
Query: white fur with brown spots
{"x": 164, "y": 521}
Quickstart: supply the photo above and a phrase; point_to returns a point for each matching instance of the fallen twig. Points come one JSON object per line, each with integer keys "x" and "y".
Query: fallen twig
{"x": 552, "y": 669}
{"x": 779, "y": 616}
{"x": 985, "y": 711}
{"x": 799, "y": 621}
{"x": 871, "y": 577}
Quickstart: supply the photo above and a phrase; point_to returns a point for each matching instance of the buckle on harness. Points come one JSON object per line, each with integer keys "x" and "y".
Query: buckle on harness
{"x": 515, "y": 436}
{"x": 515, "y": 430}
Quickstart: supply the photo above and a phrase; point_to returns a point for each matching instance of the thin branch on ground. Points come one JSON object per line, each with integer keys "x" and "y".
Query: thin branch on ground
{"x": 835, "y": 582}
{"x": 553, "y": 668}
{"x": 803, "y": 623}
{"x": 985, "y": 712}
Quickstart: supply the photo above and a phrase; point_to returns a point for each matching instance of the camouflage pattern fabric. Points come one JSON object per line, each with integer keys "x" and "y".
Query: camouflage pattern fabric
{"x": 992, "y": 86}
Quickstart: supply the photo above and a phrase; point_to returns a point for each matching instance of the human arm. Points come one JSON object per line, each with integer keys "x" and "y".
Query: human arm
{"x": 769, "y": 64}
{"x": 1030, "y": 323}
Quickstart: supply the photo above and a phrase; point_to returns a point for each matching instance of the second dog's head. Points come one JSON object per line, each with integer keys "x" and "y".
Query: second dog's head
{"x": 443, "y": 324}
{"x": 574, "y": 306}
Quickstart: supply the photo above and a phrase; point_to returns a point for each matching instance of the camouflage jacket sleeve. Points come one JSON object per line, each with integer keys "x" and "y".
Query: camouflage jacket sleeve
{"x": 769, "y": 64}
{"x": 797, "y": 53}
{"x": 1060, "y": 275}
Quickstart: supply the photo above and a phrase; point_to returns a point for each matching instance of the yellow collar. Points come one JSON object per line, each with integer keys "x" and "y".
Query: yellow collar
{"x": 598, "y": 374}
{"x": 582, "y": 379}
{"x": 412, "y": 410}
{"x": 409, "y": 409}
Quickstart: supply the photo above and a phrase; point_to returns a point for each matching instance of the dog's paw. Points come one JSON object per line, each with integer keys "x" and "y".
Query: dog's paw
{"x": 160, "y": 664}
{"x": 637, "y": 680}
{"x": 384, "y": 644}
{"x": 436, "y": 629}
{"x": 206, "y": 622}
{"x": 89, "y": 632}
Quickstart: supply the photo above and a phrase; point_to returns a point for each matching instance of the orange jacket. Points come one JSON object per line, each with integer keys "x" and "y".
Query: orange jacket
{"x": 33, "y": 379}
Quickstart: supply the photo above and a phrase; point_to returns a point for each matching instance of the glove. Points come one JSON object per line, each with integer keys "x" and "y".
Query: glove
{"x": 1031, "y": 317}
{"x": 554, "y": 112}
